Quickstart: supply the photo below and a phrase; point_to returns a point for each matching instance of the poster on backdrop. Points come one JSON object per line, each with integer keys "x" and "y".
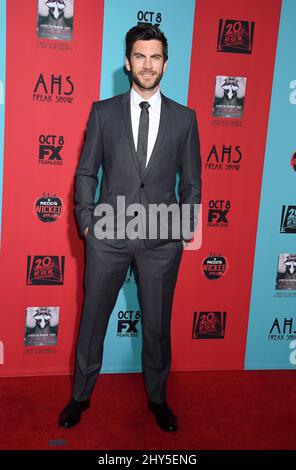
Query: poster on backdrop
{"x": 41, "y": 326}
{"x": 55, "y": 19}
{"x": 286, "y": 272}
{"x": 229, "y": 96}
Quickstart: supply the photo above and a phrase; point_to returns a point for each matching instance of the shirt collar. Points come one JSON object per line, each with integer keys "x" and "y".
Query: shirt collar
{"x": 136, "y": 99}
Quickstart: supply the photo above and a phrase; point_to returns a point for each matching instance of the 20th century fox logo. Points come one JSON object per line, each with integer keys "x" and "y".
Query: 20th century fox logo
{"x": 235, "y": 36}
{"x": 127, "y": 323}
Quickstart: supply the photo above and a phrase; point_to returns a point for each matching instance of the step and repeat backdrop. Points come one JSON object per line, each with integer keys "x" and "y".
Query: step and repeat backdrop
{"x": 234, "y": 305}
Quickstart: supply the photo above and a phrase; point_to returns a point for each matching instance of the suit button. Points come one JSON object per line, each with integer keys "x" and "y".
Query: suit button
{"x": 142, "y": 185}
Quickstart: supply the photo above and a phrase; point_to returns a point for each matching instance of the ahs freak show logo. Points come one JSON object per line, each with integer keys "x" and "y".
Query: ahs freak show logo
{"x": 50, "y": 148}
{"x": 54, "y": 89}
{"x": 45, "y": 270}
{"x": 224, "y": 158}
{"x": 235, "y": 36}
{"x": 127, "y": 325}
{"x": 149, "y": 17}
{"x": 288, "y": 219}
{"x": 282, "y": 329}
{"x": 48, "y": 208}
{"x": 218, "y": 213}
{"x": 209, "y": 325}
{"x": 214, "y": 266}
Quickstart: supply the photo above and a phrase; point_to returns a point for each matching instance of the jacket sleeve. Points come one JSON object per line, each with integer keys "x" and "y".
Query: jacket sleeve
{"x": 87, "y": 171}
{"x": 190, "y": 181}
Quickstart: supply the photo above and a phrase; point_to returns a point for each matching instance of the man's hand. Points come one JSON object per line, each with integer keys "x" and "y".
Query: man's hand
{"x": 85, "y": 231}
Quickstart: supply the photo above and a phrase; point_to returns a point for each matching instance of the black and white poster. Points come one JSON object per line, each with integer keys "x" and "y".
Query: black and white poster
{"x": 229, "y": 96}
{"x": 41, "y": 326}
{"x": 286, "y": 272}
{"x": 55, "y": 19}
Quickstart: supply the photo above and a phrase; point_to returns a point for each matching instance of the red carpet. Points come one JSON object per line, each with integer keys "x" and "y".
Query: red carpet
{"x": 217, "y": 410}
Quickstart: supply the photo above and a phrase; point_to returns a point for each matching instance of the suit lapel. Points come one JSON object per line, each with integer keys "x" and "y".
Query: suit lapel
{"x": 129, "y": 131}
{"x": 163, "y": 122}
{"x": 126, "y": 110}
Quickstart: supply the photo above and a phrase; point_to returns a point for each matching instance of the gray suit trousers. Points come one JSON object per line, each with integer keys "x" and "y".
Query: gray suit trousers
{"x": 106, "y": 269}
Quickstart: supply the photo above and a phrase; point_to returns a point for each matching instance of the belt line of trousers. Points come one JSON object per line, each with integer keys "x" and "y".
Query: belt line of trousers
{"x": 106, "y": 269}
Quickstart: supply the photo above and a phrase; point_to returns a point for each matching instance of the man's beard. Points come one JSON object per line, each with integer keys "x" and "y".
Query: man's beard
{"x": 143, "y": 85}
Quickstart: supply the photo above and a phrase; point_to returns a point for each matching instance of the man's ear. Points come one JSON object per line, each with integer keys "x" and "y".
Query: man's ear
{"x": 127, "y": 64}
{"x": 165, "y": 66}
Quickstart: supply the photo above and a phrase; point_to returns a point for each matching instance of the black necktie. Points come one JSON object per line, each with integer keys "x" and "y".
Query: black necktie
{"x": 143, "y": 135}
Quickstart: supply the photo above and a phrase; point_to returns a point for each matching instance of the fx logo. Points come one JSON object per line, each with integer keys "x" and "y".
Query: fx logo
{"x": 218, "y": 216}
{"x": 218, "y": 210}
{"x": 127, "y": 327}
{"x": 53, "y": 153}
{"x": 48, "y": 148}
{"x": 127, "y": 322}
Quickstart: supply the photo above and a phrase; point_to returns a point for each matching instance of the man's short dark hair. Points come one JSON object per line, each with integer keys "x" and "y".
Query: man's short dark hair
{"x": 145, "y": 32}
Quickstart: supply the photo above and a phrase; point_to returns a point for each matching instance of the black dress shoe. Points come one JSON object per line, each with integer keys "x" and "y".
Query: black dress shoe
{"x": 164, "y": 416}
{"x": 71, "y": 414}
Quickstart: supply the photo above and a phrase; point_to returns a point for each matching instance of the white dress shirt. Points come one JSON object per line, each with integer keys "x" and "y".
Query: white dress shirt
{"x": 154, "y": 118}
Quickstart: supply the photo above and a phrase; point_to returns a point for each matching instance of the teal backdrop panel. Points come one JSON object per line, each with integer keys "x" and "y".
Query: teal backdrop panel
{"x": 2, "y": 95}
{"x": 175, "y": 19}
{"x": 272, "y": 322}
{"x": 122, "y": 348}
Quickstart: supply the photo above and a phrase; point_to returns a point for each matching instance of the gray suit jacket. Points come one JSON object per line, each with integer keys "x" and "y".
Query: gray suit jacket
{"x": 109, "y": 142}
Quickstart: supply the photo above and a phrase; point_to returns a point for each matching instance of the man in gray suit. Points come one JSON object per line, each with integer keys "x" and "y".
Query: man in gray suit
{"x": 143, "y": 140}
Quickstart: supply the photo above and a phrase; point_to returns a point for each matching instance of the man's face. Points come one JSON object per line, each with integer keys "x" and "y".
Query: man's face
{"x": 146, "y": 63}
